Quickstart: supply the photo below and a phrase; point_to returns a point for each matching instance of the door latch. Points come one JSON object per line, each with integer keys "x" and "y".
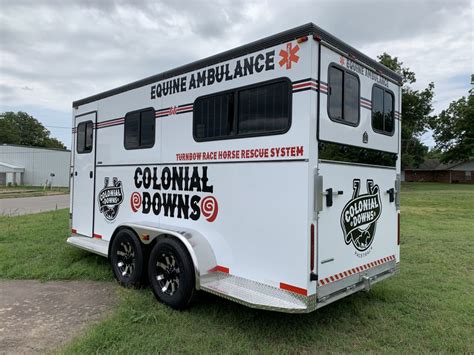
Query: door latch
{"x": 329, "y": 194}
{"x": 91, "y": 174}
{"x": 391, "y": 193}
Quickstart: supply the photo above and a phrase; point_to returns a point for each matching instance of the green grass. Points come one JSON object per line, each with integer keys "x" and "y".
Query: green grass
{"x": 34, "y": 247}
{"x": 428, "y": 307}
{"x": 30, "y": 191}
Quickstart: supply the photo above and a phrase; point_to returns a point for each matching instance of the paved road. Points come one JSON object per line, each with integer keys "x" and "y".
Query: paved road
{"x": 27, "y": 205}
{"x": 39, "y": 317}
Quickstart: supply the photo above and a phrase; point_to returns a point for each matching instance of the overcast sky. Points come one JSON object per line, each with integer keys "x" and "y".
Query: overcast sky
{"x": 54, "y": 52}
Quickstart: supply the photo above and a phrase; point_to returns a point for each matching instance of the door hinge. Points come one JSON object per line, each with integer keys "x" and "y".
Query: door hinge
{"x": 318, "y": 193}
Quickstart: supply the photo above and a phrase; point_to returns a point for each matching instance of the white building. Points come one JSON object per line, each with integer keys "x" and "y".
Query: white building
{"x": 33, "y": 166}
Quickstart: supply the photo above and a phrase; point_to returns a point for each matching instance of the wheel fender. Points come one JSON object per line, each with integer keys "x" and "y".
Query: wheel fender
{"x": 202, "y": 255}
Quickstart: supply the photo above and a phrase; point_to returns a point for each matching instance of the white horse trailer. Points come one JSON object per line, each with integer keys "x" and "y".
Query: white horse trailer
{"x": 268, "y": 174}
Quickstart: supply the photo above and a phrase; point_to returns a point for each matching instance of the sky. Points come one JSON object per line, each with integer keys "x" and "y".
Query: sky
{"x": 53, "y": 52}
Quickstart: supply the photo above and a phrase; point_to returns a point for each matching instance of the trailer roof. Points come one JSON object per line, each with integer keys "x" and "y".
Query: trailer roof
{"x": 282, "y": 37}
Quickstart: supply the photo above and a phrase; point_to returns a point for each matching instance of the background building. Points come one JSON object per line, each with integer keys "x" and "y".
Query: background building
{"x": 434, "y": 171}
{"x": 34, "y": 166}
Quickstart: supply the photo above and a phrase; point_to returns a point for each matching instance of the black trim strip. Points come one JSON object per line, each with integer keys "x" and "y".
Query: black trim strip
{"x": 325, "y": 161}
{"x": 355, "y": 155}
{"x": 201, "y": 162}
{"x": 282, "y": 37}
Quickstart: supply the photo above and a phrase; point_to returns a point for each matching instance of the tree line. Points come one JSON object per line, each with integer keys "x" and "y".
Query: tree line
{"x": 453, "y": 128}
{"x": 23, "y": 129}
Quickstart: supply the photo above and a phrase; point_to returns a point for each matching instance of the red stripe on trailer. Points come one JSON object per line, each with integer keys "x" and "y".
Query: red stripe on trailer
{"x": 303, "y": 85}
{"x": 355, "y": 270}
{"x": 294, "y": 289}
{"x": 98, "y": 236}
{"x": 182, "y": 108}
{"x": 74, "y": 231}
{"x": 221, "y": 268}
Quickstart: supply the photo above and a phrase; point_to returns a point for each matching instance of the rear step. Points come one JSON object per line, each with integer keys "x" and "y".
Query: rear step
{"x": 256, "y": 295}
{"x": 94, "y": 245}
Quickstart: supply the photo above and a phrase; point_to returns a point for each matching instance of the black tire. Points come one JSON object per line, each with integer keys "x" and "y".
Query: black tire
{"x": 171, "y": 273}
{"x": 127, "y": 258}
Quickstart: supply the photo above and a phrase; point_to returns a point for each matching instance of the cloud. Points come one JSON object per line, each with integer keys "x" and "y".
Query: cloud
{"x": 68, "y": 50}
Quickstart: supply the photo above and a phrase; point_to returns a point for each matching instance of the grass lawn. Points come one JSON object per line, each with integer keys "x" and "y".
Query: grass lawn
{"x": 30, "y": 191}
{"x": 428, "y": 307}
{"x": 34, "y": 247}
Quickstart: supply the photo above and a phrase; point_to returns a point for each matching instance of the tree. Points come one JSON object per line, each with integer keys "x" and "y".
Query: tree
{"x": 453, "y": 130}
{"x": 416, "y": 109}
{"x": 21, "y": 128}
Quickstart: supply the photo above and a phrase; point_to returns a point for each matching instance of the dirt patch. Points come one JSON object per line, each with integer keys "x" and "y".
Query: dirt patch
{"x": 37, "y": 317}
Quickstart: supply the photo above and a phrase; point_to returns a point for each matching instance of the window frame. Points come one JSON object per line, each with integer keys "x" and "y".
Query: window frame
{"x": 148, "y": 146}
{"x": 235, "y": 123}
{"x": 384, "y": 89}
{"x": 85, "y": 137}
{"x": 344, "y": 70}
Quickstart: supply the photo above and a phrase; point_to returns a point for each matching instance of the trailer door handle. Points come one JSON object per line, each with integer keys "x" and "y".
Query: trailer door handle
{"x": 391, "y": 193}
{"x": 329, "y": 193}
{"x": 91, "y": 174}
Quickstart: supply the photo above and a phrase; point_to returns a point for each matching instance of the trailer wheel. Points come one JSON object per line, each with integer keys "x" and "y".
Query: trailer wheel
{"x": 127, "y": 259}
{"x": 171, "y": 273}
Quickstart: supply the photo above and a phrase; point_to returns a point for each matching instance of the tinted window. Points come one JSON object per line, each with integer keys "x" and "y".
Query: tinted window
{"x": 147, "y": 128}
{"x": 377, "y": 108}
{"x": 351, "y": 98}
{"x": 335, "y": 98}
{"x": 343, "y": 100}
{"x": 84, "y": 138}
{"x": 388, "y": 112}
{"x": 263, "y": 109}
{"x": 213, "y": 116}
{"x": 139, "y": 129}
{"x": 382, "y": 110}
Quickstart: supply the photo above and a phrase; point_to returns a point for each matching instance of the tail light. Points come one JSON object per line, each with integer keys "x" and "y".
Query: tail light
{"x": 312, "y": 248}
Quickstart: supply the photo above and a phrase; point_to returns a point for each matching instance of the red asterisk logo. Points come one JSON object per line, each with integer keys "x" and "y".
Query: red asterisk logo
{"x": 172, "y": 110}
{"x": 289, "y": 56}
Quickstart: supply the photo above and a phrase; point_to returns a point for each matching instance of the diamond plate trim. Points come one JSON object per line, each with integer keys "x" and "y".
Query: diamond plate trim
{"x": 255, "y": 294}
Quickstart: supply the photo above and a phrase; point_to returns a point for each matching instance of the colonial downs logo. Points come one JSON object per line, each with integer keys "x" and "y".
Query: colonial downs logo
{"x": 360, "y": 214}
{"x": 173, "y": 192}
{"x": 110, "y": 198}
